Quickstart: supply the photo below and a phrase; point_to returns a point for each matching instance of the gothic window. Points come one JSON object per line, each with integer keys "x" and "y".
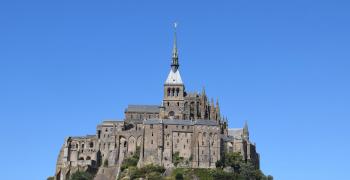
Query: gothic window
{"x": 173, "y": 92}
{"x": 82, "y": 146}
{"x": 178, "y": 104}
{"x": 168, "y": 104}
{"x": 76, "y": 146}
{"x": 171, "y": 114}
{"x": 168, "y": 91}
{"x": 91, "y": 144}
{"x": 184, "y": 146}
{"x": 178, "y": 134}
{"x": 177, "y": 92}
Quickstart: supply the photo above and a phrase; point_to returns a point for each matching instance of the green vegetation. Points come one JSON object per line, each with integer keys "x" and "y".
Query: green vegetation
{"x": 129, "y": 169}
{"x": 81, "y": 175}
{"x": 51, "y": 178}
{"x": 177, "y": 159}
{"x": 105, "y": 163}
{"x": 231, "y": 166}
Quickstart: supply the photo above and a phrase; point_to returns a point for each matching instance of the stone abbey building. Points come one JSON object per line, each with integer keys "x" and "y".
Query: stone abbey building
{"x": 186, "y": 124}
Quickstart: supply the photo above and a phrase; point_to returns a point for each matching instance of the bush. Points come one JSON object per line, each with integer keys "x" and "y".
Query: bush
{"x": 179, "y": 176}
{"x": 105, "y": 163}
{"x": 80, "y": 175}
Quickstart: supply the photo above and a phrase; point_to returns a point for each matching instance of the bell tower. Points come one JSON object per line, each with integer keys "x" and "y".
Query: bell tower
{"x": 174, "y": 89}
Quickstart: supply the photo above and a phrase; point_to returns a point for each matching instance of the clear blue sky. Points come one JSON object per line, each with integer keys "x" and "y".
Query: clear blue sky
{"x": 282, "y": 65}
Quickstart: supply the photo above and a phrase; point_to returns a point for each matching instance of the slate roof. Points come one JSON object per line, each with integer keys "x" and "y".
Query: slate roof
{"x": 180, "y": 122}
{"x": 236, "y": 133}
{"x": 143, "y": 108}
{"x": 174, "y": 78}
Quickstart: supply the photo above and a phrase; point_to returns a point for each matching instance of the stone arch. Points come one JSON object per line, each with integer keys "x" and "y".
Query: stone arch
{"x": 88, "y": 158}
{"x": 131, "y": 145}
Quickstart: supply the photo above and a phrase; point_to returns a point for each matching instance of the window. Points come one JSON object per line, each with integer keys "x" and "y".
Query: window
{"x": 178, "y": 134}
{"x": 166, "y": 126}
{"x": 91, "y": 144}
{"x": 178, "y": 104}
{"x": 168, "y": 104}
{"x": 202, "y": 152}
{"x": 177, "y": 140}
{"x": 167, "y": 143}
{"x": 177, "y": 91}
{"x": 187, "y": 141}
{"x": 151, "y": 141}
{"x": 151, "y": 126}
{"x": 76, "y": 146}
{"x": 88, "y": 158}
{"x": 184, "y": 146}
{"x": 106, "y": 130}
{"x": 152, "y": 133}
{"x": 183, "y": 127}
{"x": 168, "y": 91}
{"x": 202, "y": 143}
{"x": 82, "y": 146}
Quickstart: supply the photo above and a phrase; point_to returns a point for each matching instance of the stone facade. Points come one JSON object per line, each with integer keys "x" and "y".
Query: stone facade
{"x": 187, "y": 124}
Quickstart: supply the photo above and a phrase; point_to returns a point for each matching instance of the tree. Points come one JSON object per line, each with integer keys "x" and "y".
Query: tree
{"x": 81, "y": 175}
{"x": 234, "y": 160}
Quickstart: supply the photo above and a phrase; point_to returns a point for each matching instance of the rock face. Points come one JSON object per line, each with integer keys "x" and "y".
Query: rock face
{"x": 185, "y": 125}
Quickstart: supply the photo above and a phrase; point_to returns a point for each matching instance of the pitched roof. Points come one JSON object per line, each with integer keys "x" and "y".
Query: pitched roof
{"x": 143, "y": 108}
{"x": 174, "y": 77}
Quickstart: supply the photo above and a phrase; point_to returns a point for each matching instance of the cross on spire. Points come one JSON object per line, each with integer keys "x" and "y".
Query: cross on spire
{"x": 175, "y": 56}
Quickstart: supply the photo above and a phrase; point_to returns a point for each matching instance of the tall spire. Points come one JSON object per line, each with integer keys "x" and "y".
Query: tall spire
{"x": 175, "y": 55}
{"x": 246, "y": 131}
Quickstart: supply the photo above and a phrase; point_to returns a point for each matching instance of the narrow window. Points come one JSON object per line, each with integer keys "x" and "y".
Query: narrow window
{"x": 151, "y": 126}
{"x": 166, "y": 126}
{"x": 152, "y": 133}
{"x": 183, "y": 127}
{"x": 151, "y": 141}
{"x": 184, "y": 146}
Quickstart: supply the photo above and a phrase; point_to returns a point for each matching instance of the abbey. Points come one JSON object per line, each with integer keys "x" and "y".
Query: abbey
{"x": 188, "y": 125}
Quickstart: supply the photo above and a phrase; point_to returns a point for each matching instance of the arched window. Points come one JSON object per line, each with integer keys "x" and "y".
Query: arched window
{"x": 173, "y": 92}
{"x": 177, "y": 91}
{"x": 91, "y": 144}
{"x": 81, "y": 158}
{"x": 88, "y": 158}
{"x": 82, "y": 146}
{"x": 168, "y": 91}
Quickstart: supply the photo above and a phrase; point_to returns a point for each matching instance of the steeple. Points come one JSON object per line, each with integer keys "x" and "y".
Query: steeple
{"x": 174, "y": 76}
{"x": 175, "y": 55}
{"x": 246, "y": 131}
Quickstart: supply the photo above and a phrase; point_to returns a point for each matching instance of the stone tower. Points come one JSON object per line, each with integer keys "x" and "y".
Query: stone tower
{"x": 174, "y": 89}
